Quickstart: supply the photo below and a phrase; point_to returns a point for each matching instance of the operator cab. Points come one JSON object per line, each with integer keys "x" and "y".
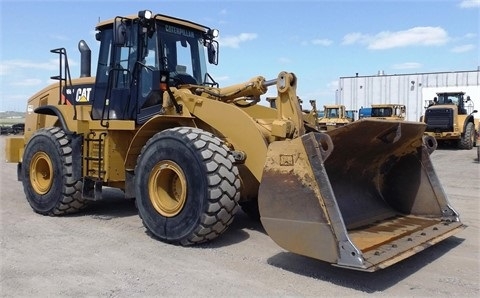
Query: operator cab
{"x": 136, "y": 53}
{"x": 453, "y": 98}
{"x": 382, "y": 112}
{"x": 332, "y": 113}
{"x": 388, "y": 111}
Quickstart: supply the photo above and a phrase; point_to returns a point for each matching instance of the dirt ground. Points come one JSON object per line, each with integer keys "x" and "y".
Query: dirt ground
{"x": 105, "y": 251}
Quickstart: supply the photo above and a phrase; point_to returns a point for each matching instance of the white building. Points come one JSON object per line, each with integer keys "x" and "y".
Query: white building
{"x": 413, "y": 90}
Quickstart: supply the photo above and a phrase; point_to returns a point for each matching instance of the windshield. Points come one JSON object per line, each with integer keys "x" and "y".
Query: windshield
{"x": 444, "y": 98}
{"x": 331, "y": 113}
{"x": 182, "y": 53}
{"x": 350, "y": 114}
{"x": 381, "y": 112}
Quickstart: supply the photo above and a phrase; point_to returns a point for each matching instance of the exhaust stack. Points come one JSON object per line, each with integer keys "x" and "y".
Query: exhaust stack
{"x": 85, "y": 59}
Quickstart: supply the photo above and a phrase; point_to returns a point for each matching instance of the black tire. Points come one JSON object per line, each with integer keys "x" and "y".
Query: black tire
{"x": 186, "y": 186}
{"x": 467, "y": 140}
{"x": 49, "y": 181}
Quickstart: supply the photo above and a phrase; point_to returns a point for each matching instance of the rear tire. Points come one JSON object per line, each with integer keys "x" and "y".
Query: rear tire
{"x": 468, "y": 138}
{"x": 186, "y": 186}
{"x": 48, "y": 178}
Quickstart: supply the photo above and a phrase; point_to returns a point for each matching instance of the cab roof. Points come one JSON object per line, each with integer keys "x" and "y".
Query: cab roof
{"x": 159, "y": 17}
{"x": 331, "y": 106}
{"x": 451, "y": 92}
{"x": 387, "y": 105}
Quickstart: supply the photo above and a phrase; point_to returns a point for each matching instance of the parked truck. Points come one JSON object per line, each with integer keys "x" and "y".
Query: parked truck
{"x": 155, "y": 124}
{"x": 364, "y": 113}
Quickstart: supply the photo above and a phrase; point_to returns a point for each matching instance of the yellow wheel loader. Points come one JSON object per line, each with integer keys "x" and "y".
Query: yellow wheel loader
{"x": 448, "y": 120}
{"x": 333, "y": 117}
{"x": 155, "y": 124}
{"x": 388, "y": 111}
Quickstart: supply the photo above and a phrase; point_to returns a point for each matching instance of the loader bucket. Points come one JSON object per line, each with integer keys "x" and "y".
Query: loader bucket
{"x": 363, "y": 196}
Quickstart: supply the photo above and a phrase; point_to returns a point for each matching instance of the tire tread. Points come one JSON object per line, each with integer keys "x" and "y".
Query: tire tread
{"x": 223, "y": 184}
{"x": 71, "y": 196}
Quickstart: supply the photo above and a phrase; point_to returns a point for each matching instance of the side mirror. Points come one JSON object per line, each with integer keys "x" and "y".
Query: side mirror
{"x": 212, "y": 50}
{"x": 119, "y": 32}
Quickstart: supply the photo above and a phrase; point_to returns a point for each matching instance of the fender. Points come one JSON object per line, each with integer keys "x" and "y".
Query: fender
{"x": 54, "y": 111}
{"x": 151, "y": 127}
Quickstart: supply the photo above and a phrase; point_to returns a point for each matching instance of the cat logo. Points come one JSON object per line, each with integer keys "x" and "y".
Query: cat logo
{"x": 83, "y": 95}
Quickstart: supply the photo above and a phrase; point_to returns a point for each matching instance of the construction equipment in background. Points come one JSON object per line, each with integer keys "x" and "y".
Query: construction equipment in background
{"x": 351, "y": 114}
{"x": 334, "y": 116}
{"x": 155, "y": 124}
{"x": 364, "y": 113}
{"x": 310, "y": 117}
{"x": 388, "y": 111}
{"x": 448, "y": 120}
{"x": 16, "y": 128}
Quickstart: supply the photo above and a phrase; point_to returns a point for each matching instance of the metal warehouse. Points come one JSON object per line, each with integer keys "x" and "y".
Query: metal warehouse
{"x": 414, "y": 90}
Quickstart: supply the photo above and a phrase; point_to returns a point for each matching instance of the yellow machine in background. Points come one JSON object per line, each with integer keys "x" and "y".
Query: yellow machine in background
{"x": 155, "y": 124}
{"x": 389, "y": 111}
{"x": 333, "y": 117}
{"x": 447, "y": 119}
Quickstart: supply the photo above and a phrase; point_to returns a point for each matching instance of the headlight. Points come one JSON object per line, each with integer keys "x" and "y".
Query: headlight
{"x": 145, "y": 14}
{"x": 213, "y": 33}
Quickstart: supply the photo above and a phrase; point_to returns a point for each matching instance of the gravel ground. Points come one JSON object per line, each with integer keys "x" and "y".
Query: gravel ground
{"x": 105, "y": 251}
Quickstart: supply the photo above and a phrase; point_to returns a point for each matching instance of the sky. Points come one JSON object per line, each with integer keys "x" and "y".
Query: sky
{"x": 318, "y": 40}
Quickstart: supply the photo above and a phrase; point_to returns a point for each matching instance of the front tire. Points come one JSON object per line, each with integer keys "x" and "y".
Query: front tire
{"x": 186, "y": 185}
{"x": 468, "y": 138}
{"x": 51, "y": 182}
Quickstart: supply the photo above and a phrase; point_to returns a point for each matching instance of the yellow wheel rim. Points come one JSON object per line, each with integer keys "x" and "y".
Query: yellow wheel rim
{"x": 167, "y": 188}
{"x": 41, "y": 173}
